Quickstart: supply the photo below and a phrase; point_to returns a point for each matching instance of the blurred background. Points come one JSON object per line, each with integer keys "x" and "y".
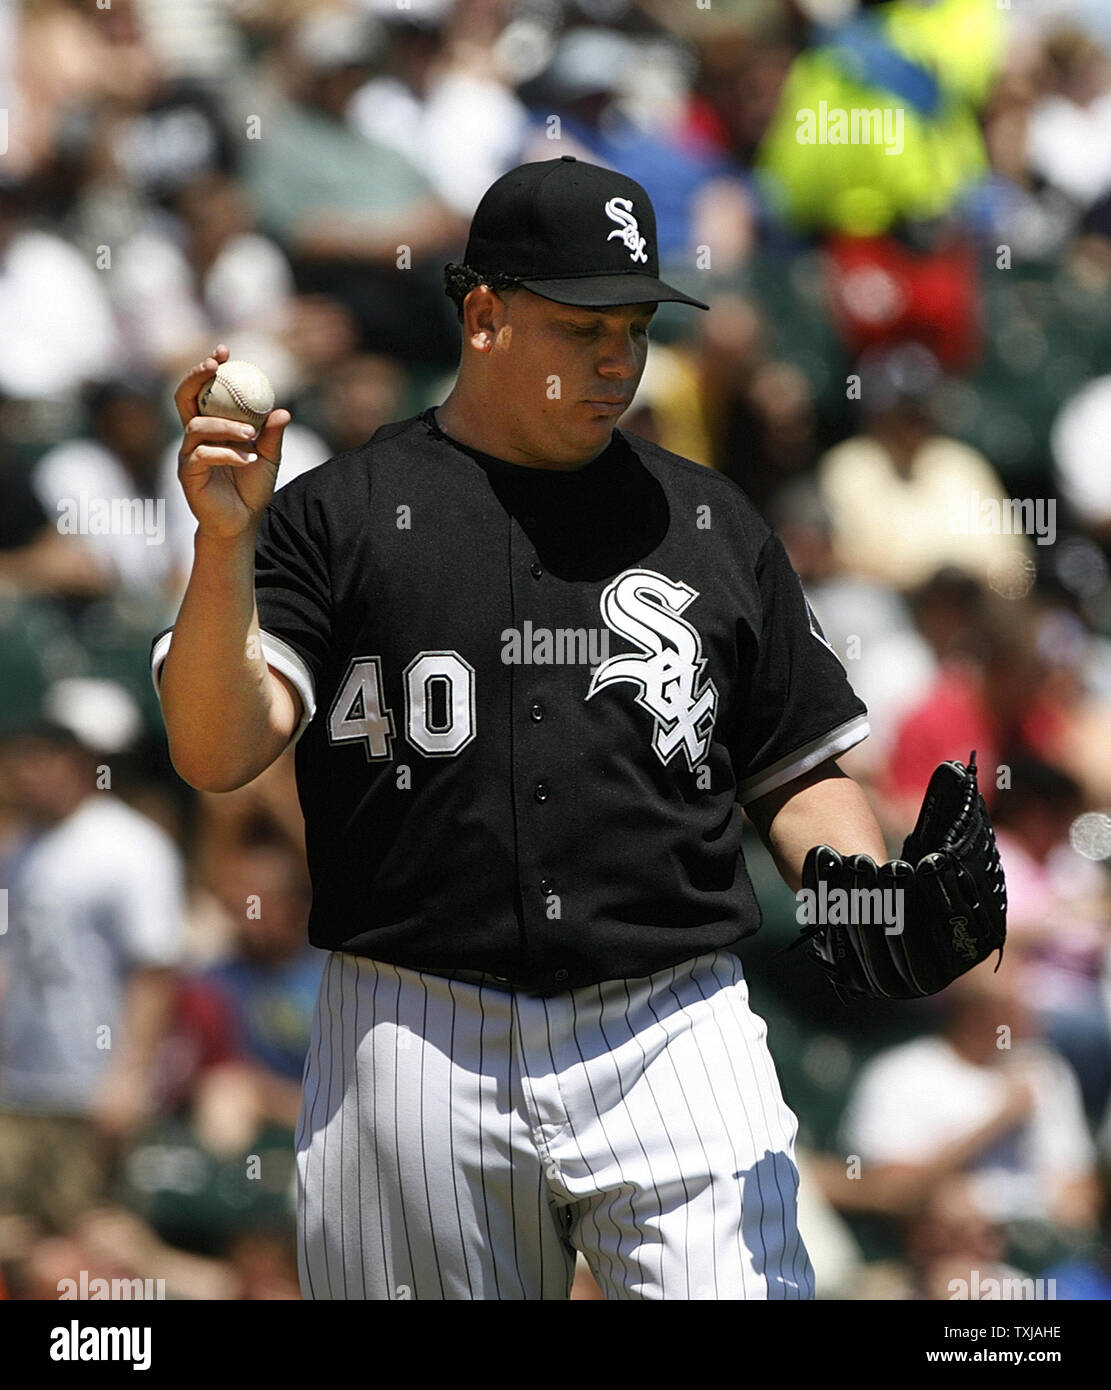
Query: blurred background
{"x": 907, "y": 366}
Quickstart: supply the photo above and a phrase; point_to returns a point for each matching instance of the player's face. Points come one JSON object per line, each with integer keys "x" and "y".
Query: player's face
{"x": 567, "y": 375}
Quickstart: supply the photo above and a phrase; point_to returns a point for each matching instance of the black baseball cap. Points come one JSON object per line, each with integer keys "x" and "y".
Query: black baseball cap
{"x": 573, "y": 232}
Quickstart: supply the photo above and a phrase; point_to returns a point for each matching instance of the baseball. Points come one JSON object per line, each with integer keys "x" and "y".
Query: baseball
{"x": 238, "y": 391}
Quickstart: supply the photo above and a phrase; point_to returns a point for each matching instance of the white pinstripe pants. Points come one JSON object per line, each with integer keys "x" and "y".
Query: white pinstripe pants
{"x": 461, "y": 1142}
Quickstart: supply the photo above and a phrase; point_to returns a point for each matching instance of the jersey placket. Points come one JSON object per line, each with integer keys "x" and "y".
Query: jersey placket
{"x": 539, "y": 794}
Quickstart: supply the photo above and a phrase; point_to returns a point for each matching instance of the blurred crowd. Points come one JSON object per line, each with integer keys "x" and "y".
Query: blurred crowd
{"x": 907, "y": 366}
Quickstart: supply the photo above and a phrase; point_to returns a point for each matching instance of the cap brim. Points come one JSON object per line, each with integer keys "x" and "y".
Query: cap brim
{"x": 605, "y": 291}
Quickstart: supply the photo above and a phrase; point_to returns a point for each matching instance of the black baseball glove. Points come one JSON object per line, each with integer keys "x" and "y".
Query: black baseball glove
{"x": 941, "y": 909}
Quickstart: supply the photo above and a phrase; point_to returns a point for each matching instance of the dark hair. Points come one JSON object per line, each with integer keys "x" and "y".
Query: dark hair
{"x": 459, "y": 280}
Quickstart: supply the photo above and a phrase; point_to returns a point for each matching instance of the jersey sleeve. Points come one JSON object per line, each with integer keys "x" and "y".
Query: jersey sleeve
{"x": 293, "y": 595}
{"x": 801, "y": 708}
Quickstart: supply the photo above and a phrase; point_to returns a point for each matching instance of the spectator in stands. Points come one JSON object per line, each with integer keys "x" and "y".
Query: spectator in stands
{"x": 989, "y": 695}
{"x": 95, "y": 906}
{"x": 1082, "y": 453}
{"x": 113, "y": 474}
{"x": 209, "y": 275}
{"x": 952, "y": 1249}
{"x": 625, "y": 104}
{"x": 870, "y": 627}
{"x": 759, "y": 410}
{"x": 1069, "y": 136}
{"x": 270, "y": 982}
{"x": 905, "y": 500}
{"x": 359, "y": 221}
{"x": 1015, "y": 686}
{"x": 1058, "y": 922}
{"x": 56, "y": 327}
{"x": 364, "y": 392}
{"x": 439, "y": 100}
{"x": 985, "y": 1097}
{"x": 34, "y": 557}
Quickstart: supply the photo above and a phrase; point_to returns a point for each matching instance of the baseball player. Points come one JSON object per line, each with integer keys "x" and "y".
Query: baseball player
{"x": 536, "y": 670}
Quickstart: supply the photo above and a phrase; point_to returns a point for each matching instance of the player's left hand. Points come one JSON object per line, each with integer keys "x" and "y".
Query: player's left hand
{"x": 941, "y": 908}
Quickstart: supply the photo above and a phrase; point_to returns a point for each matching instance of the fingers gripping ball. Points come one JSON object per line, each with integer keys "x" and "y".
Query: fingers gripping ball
{"x": 238, "y": 391}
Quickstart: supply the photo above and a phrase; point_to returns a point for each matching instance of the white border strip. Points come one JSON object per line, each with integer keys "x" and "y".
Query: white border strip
{"x": 828, "y": 745}
{"x": 279, "y": 655}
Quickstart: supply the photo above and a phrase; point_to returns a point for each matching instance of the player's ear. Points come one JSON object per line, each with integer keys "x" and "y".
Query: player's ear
{"x": 483, "y": 312}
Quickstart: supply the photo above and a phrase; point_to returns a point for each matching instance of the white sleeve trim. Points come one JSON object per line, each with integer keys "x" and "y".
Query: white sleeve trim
{"x": 279, "y": 655}
{"x": 803, "y": 759}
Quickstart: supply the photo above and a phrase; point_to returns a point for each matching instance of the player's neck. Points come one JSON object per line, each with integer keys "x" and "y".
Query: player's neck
{"x": 469, "y": 423}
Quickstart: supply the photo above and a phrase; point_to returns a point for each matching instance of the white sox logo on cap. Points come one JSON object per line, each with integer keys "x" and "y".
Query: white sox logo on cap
{"x": 620, "y": 210}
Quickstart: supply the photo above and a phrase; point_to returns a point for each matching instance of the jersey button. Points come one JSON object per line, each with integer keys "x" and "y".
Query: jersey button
{"x": 536, "y": 569}
{"x": 537, "y": 711}
{"x": 542, "y": 791}
{"x": 547, "y": 886}
{"x": 560, "y": 976}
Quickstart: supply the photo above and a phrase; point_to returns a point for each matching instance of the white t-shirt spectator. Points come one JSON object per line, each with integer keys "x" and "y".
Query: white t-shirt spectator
{"x": 1070, "y": 146}
{"x": 160, "y": 305}
{"x": 89, "y": 900}
{"x": 466, "y": 133}
{"x": 914, "y": 1100}
{"x": 56, "y": 325}
{"x": 1081, "y": 441}
{"x": 82, "y": 480}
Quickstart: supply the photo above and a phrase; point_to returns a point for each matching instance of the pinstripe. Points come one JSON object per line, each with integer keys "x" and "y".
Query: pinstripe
{"x": 659, "y": 1112}
{"x": 541, "y": 1210}
{"x": 774, "y": 1094}
{"x": 741, "y": 1247}
{"x": 516, "y": 1050}
{"x": 560, "y": 1061}
{"x": 302, "y": 1223}
{"x": 565, "y": 1110}
{"x": 665, "y": 1130}
{"x": 701, "y": 1145}
{"x": 784, "y": 1206}
{"x": 743, "y": 1030}
{"x": 423, "y": 1150}
{"x": 342, "y": 1127}
{"x": 324, "y": 1153}
{"x": 310, "y": 1110}
{"x": 624, "y": 1189}
{"x": 463, "y": 1254}
{"x": 640, "y": 1143}
{"x": 402, "y": 1204}
{"x": 511, "y": 1059}
{"x": 548, "y": 1213}
{"x": 359, "y": 1126}
{"x": 374, "y": 1130}
{"x": 726, "y": 1129}
{"x": 481, "y": 1151}
{"x": 767, "y": 1132}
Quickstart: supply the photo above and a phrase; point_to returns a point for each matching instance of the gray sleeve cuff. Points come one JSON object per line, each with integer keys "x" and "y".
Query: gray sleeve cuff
{"x": 829, "y": 745}
{"x": 279, "y": 655}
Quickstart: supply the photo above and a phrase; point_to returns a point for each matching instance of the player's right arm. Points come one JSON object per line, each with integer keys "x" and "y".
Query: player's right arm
{"x": 228, "y": 715}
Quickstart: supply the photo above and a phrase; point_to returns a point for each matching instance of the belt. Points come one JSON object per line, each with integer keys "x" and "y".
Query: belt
{"x": 478, "y": 977}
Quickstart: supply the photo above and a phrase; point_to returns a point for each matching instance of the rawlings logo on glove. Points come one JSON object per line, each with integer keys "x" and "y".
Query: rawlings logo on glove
{"x": 951, "y": 894}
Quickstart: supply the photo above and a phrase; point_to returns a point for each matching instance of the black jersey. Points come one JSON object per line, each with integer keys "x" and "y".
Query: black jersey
{"x": 536, "y": 702}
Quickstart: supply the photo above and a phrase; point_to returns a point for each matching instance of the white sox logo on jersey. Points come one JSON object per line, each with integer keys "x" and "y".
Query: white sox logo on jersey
{"x": 644, "y": 607}
{"x": 620, "y": 210}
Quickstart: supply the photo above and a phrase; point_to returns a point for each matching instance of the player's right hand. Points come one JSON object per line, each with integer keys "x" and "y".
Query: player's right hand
{"x": 228, "y": 475}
